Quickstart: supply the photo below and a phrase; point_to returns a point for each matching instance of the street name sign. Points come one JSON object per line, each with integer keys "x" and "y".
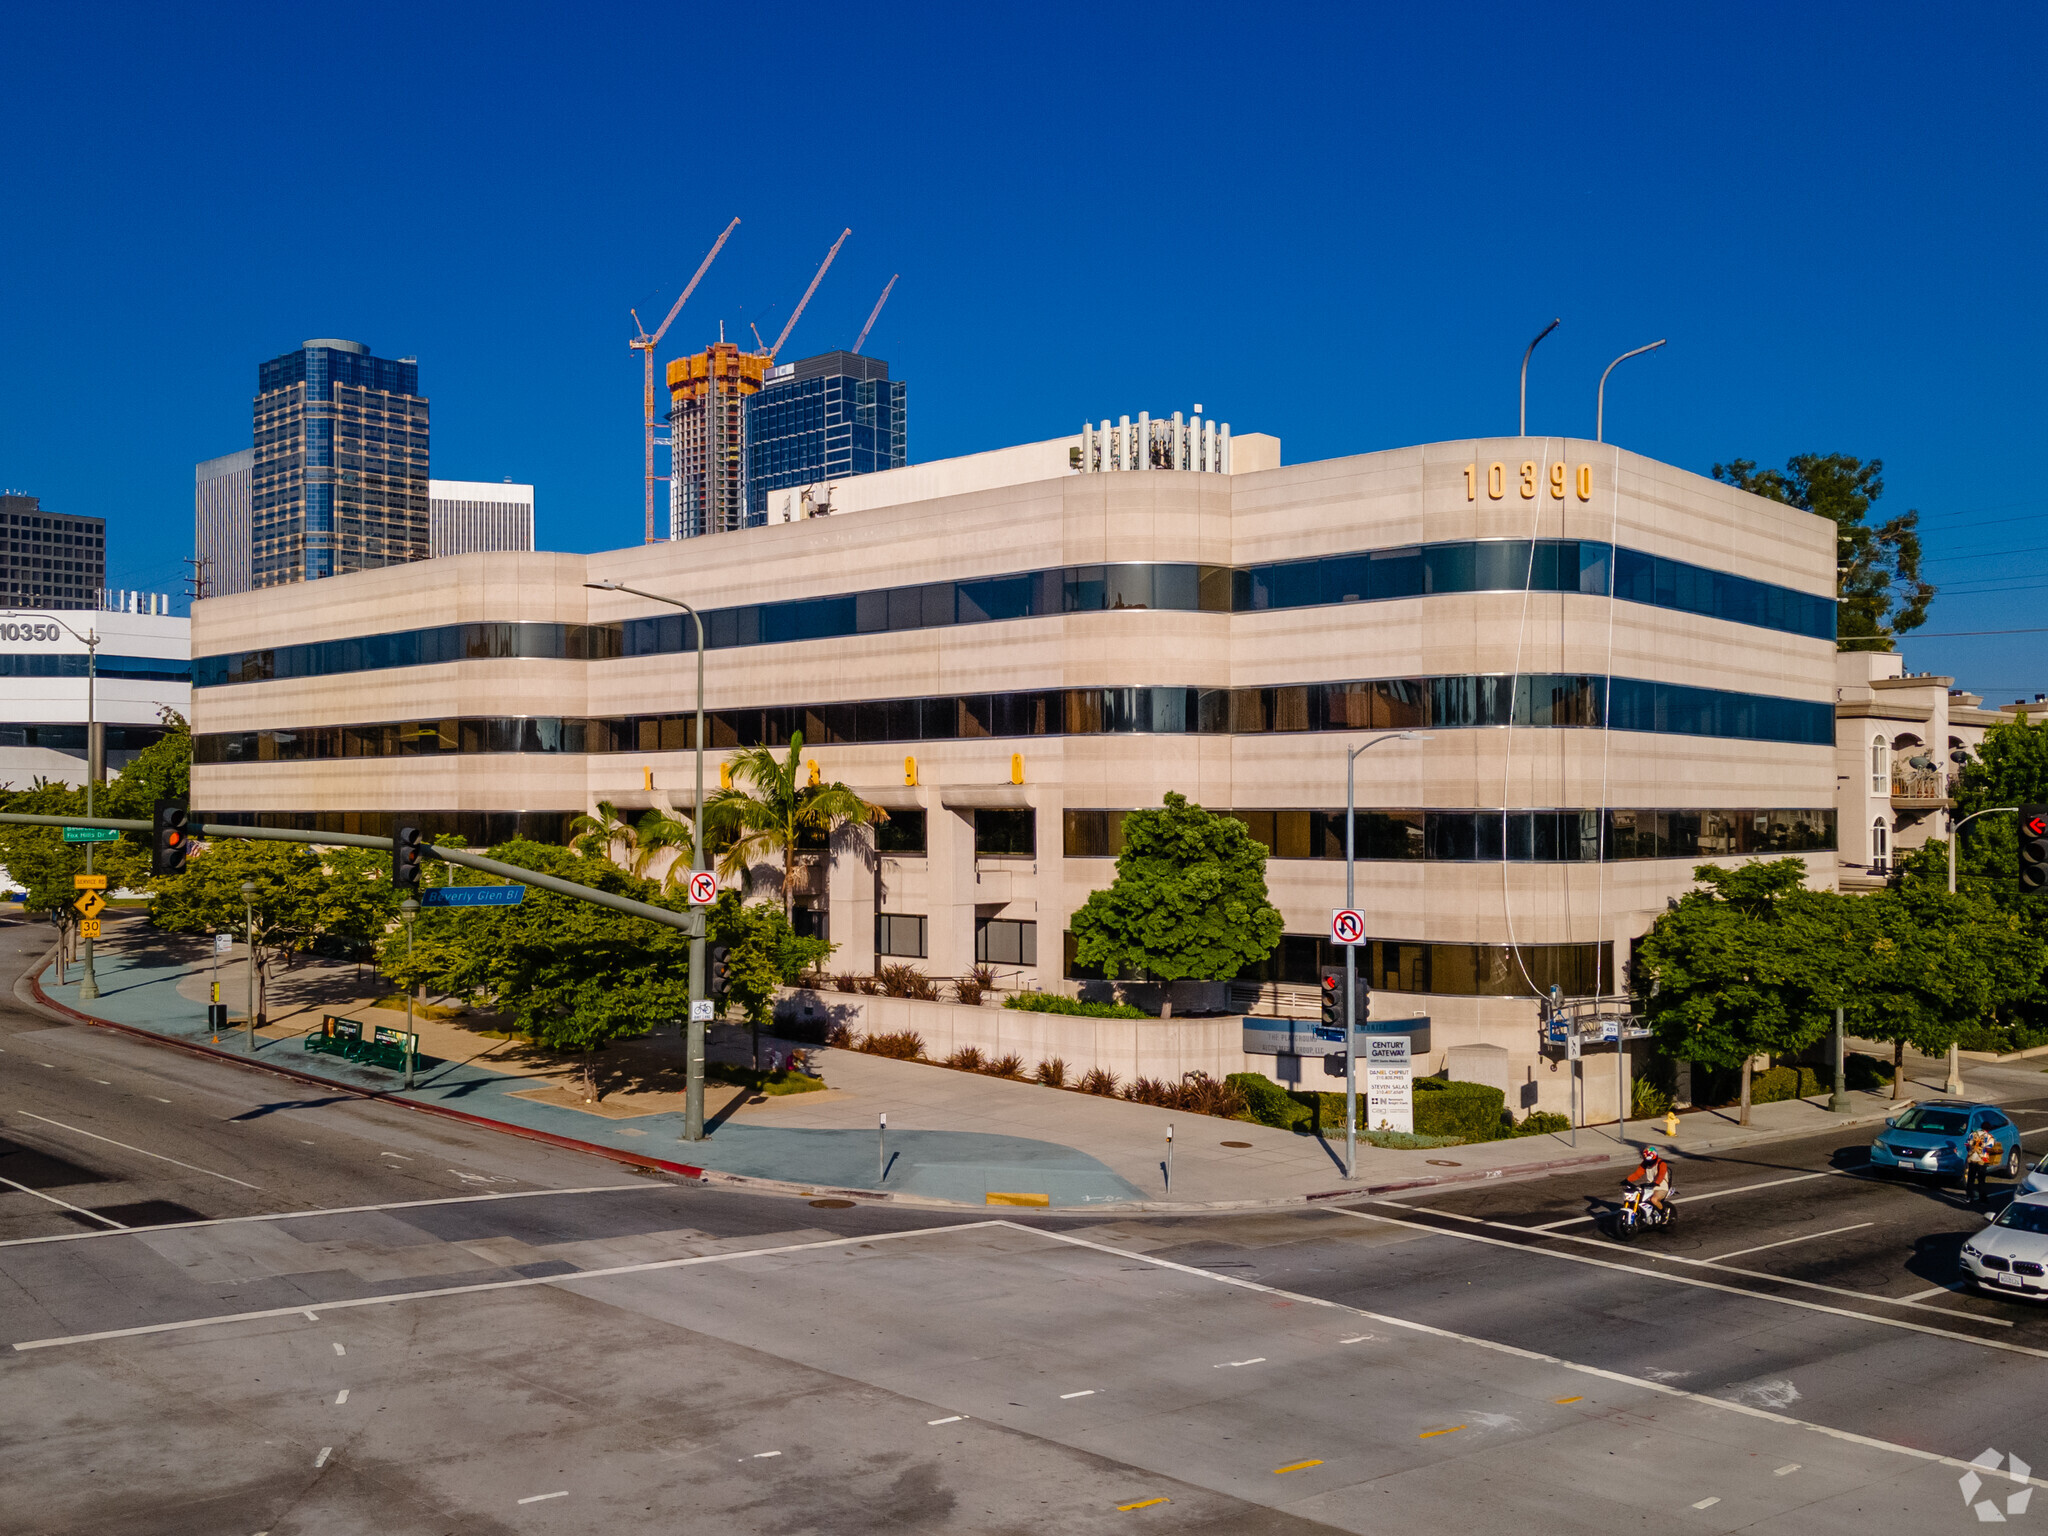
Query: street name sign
{"x": 1347, "y": 926}
{"x": 473, "y": 896}
{"x": 90, "y": 835}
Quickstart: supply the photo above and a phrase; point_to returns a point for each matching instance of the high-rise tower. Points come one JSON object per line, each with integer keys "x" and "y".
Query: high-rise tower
{"x": 707, "y": 421}
{"x": 340, "y": 478}
{"x": 821, "y": 419}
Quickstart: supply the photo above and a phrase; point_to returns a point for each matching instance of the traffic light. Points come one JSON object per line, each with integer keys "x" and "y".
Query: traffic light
{"x": 167, "y": 856}
{"x": 1333, "y": 998}
{"x": 2034, "y": 847}
{"x": 405, "y": 858}
{"x": 721, "y": 975}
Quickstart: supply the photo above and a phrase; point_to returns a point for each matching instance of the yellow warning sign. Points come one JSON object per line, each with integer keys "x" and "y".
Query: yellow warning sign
{"x": 91, "y": 904}
{"x": 89, "y": 928}
{"x": 89, "y": 882}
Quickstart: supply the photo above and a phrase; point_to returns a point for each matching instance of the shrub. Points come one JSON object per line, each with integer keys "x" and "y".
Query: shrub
{"x": 1991, "y": 1037}
{"x": 1052, "y": 1002}
{"x": 1011, "y": 1065}
{"x": 1646, "y": 1100}
{"x": 1197, "y": 1093}
{"x": 1867, "y": 1072}
{"x": 1541, "y": 1123}
{"x": 843, "y": 1037}
{"x": 1053, "y": 1073}
{"x": 1099, "y": 1080}
{"x": 974, "y": 988}
{"x": 854, "y": 981}
{"x": 1447, "y": 1108}
{"x": 1402, "y": 1141}
{"x": 1781, "y": 1083}
{"x": 1265, "y": 1101}
{"x": 967, "y": 1059}
{"x": 907, "y": 1046}
{"x": 907, "y": 981}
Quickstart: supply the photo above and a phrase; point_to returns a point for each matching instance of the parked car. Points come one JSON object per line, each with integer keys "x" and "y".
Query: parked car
{"x": 1929, "y": 1138}
{"x": 2035, "y": 1183}
{"x": 2010, "y": 1256}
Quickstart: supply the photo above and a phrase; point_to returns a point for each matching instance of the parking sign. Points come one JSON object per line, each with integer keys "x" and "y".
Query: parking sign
{"x": 703, "y": 888}
{"x": 1347, "y": 926}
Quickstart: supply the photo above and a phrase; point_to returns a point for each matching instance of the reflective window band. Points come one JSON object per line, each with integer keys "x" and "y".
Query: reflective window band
{"x": 1499, "y": 565}
{"x": 1438, "y": 703}
{"x": 1447, "y": 970}
{"x": 1489, "y": 836}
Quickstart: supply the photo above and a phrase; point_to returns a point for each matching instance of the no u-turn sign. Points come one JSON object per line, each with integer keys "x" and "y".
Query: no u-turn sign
{"x": 1347, "y": 926}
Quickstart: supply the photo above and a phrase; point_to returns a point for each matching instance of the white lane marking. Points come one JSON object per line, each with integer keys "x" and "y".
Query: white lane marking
{"x": 1939, "y": 1290}
{"x": 96, "y": 1136}
{"x": 1712, "y": 1285}
{"x": 1786, "y": 1242}
{"x": 404, "y": 1159}
{"x": 652, "y": 1266}
{"x": 50, "y": 1064}
{"x": 341, "y": 1210}
{"x": 325, "y": 1452}
{"x": 341, "y": 1397}
{"x": 955, "y": 1419}
{"x": 1787, "y": 1470}
{"x": 1356, "y": 1339}
{"x": 536, "y": 1498}
{"x": 305, "y": 1143}
{"x": 1746, "y": 1410}
{"x": 1708, "y": 1503}
{"x": 81, "y": 1210}
{"x": 312, "y": 1317}
{"x": 1065, "y": 1395}
{"x": 1712, "y": 1194}
{"x": 1255, "y": 1360}
{"x": 1730, "y": 1269}
{"x": 160, "y": 1100}
{"x": 103, "y": 1082}
{"x": 764, "y": 1455}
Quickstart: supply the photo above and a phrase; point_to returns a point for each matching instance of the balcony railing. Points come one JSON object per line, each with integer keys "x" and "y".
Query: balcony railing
{"x": 1912, "y": 785}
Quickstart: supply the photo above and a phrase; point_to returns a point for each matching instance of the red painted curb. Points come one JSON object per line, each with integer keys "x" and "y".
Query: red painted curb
{"x": 547, "y": 1138}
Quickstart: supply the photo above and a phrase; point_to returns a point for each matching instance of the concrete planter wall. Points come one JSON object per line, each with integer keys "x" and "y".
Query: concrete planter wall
{"x": 1155, "y": 1048}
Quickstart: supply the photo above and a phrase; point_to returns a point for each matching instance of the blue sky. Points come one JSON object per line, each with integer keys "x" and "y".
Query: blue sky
{"x": 1340, "y": 225}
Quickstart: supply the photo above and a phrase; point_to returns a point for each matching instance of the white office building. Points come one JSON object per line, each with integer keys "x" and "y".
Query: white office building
{"x": 469, "y": 517}
{"x": 143, "y": 667}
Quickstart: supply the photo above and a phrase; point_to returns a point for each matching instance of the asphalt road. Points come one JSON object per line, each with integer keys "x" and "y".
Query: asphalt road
{"x": 324, "y": 1314}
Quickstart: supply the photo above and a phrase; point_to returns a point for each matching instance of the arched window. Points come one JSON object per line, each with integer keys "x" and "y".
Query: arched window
{"x": 1880, "y": 767}
{"x": 1880, "y": 846}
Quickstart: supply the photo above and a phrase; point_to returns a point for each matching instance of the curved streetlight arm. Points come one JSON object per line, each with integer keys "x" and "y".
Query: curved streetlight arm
{"x": 1956, "y": 826}
{"x": 1523, "y": 428}
{"x": 1600, "y": 400}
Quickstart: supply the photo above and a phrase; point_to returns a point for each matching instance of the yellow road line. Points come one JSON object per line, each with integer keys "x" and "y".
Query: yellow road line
{"x": 1567, "y": 1399}
{"x": 1295, "y": 1467}
{"x": 1142, "y": 1504}
{"x": 1431, "y": 1434}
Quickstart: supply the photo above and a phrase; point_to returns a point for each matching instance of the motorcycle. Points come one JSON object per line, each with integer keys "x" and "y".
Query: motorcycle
{"x": 1639, "y": 1213}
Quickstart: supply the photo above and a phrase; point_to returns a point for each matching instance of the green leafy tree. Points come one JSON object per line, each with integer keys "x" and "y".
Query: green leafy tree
{"x": 160, "y": 771}
{"x": 40, "y": 859}
{"x": 771, "y": 809}
{"x": 766, "y": 954}
{"x": 1877, "y": 567}
{"x": 1751, "y": 964}
{"x": 635, "y": 845}
{"x": 290, "y": 887}
{"x": 1188, "y": 903}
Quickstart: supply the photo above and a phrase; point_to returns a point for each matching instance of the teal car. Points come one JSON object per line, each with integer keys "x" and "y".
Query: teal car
{"x": 1929, "y": 1138}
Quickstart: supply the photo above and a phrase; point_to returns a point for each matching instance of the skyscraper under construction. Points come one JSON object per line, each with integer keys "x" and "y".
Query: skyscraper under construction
{"x": 707, "y": 422}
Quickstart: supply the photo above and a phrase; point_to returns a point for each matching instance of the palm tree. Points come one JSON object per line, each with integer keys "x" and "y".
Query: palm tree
{"x": 769, "y": 816}
{"x": 637, "y": 844}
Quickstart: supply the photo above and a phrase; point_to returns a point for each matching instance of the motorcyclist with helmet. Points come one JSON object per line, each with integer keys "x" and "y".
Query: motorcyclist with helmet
{"x": 1654, "y": 1174}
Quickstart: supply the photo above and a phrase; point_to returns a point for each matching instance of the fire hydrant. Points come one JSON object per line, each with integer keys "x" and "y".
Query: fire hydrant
{"x": 1670, "y": 1122}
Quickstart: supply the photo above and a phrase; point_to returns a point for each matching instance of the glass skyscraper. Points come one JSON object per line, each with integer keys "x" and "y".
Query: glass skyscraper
{"x": 340, "y": 476}
{"x": 822, "y": 419}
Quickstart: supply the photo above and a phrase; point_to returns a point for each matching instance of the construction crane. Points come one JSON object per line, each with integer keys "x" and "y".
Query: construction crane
{"x": 807, "y": 294}
{"x": 645, "y": 344}
{"x": 876, "y": 313}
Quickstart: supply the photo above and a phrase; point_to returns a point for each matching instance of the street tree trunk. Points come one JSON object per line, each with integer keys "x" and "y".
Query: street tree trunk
{"x": 1748, "y": 1063}
{"x": 1898, "y": 1065}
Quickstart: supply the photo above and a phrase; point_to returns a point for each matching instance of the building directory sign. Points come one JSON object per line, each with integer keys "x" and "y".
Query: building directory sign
{"x": 1389, "y": 1084}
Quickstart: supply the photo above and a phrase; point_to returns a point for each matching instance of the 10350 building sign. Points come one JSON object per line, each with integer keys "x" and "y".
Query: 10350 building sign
{"x": 1495, "y": 481}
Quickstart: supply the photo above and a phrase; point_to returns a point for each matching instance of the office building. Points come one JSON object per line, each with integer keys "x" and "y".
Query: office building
{"x": 821, "y": 420}
{"x": 51, "y": 561}
{"x": 339, "y": 480}
{"x": 465, "y": 517}
{"x": 707, "y": 424}
{"x": 1622, "y": 670}
{"x": 220, "y": 522}
{"x": 144, "y": 667}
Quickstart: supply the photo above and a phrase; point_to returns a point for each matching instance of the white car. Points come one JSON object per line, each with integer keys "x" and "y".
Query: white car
{"x": 2035, "y": 1183}
{"x": 2010, "y": 1256}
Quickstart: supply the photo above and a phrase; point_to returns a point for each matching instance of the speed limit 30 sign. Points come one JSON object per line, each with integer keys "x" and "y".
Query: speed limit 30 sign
{"x": 703, "y": 888}
{"x": 1347, "y": 926}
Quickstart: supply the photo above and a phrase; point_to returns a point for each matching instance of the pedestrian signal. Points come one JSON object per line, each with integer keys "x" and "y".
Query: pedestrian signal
{"x": 2034, "y": 847}
{"x": 406, "y": 854}
{"x": 167, "y": 856}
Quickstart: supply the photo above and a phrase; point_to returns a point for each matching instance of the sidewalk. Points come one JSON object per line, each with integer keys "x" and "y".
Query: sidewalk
{"x": 953, "y": 1137}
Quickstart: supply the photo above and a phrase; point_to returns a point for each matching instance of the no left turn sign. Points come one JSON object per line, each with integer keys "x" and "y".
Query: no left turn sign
{"x": 703, "y": 888}
{"x": 1347, "y": 926}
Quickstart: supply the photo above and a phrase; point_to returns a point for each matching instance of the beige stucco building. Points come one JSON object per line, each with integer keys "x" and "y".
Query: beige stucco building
{"x": 1009, "y": 657}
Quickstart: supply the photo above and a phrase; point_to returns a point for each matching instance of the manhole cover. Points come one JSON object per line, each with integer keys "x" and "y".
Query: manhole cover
{"x": 1442, "y": 1162}
{"x": 1237, "y": 1143}
{"x": 832, "y": 1205}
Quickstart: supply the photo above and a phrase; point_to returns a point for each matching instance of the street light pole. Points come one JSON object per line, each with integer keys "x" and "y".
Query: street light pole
{"x": 1600, "y": 400}
{"x": 88, "y": 986}
{"x": 249, "y": 937}
{"x": 1955, "y": 1061}
{"x": 693, "y": 1050}
{"x": 1523, "y": 429}
{"x": 1351, "y": 950}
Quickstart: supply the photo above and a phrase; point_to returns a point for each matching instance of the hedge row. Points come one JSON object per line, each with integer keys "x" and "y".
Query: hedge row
{"x": 1468, "y": 1111}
